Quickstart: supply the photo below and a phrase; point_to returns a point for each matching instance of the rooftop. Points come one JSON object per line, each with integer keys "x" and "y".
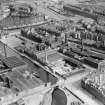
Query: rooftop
{"x": 13, "y": 62}
{"x": 19, "y": 80}
{"x": 97, "y": 79}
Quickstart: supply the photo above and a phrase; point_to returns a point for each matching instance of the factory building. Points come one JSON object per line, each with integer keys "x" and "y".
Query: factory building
{"x": 22, "y": 10}
{"x": 68, "y": 8}
{"x": 94, "y": 84}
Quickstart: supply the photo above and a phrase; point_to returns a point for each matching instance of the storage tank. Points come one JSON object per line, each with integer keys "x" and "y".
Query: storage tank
{"x": 59, "y": 97}
{"x": 56, "y": 96}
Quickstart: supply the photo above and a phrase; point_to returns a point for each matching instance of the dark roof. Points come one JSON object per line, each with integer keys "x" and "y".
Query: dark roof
{"x": 58, "y": 97}
{"x": 77, "y": 11}
{"x": 50, "y": 29}
{"x": 92, "y": 60}
{"x": 13, "y": 62}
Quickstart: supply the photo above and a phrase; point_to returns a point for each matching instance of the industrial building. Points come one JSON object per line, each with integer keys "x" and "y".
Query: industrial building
{"x": 69, "y": 8}
{"x": 94, "y": 84}
{"x": 52, "y": 53}
{"x": 22, "y": 10}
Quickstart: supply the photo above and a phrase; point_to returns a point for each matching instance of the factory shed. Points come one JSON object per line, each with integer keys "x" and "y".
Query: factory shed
{"x": 14, "y": 63}
{"x": 51, "y": 29}
{"x": 78, "y": 11}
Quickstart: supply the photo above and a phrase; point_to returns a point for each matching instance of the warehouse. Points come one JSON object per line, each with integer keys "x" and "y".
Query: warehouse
{"x": 74, "y": 10}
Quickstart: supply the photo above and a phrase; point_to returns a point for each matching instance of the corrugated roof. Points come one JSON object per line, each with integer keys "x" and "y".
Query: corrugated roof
{"x": 13, "y": 61}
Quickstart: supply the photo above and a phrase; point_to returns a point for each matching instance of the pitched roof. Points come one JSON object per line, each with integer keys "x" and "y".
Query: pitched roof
{"x": 13, "y": 62}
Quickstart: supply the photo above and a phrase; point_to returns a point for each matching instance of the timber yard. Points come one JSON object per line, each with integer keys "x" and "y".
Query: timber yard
{"x": 52, "y": 52}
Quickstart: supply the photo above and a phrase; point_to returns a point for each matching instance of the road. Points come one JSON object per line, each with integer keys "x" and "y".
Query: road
{"x": 29, "y": 25}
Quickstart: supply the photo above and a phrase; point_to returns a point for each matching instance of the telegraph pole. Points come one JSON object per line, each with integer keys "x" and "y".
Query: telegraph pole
{"x": 46, "y": 55}
{"x": 5, "y": 52}
{"x": 47, "y": 74}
